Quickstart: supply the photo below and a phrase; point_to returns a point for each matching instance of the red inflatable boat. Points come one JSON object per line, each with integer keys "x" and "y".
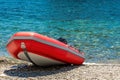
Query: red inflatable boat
{"x": 42, "y": 50}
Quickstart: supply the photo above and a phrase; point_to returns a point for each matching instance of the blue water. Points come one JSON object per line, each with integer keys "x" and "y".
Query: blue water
{"x": 90, "y": 25}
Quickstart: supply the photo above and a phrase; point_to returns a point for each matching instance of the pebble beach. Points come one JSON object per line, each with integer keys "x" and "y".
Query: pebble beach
{"x": 11, "y": 69}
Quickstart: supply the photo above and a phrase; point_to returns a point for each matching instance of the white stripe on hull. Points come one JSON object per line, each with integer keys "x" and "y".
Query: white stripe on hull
{"x": 39, "y": 60}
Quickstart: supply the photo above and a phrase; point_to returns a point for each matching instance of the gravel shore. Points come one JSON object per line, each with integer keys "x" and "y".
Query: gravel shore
{"x": 11, "y": 69}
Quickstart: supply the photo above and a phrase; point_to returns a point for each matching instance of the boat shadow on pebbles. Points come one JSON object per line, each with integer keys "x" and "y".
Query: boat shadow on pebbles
{"x": 33, "y": 71}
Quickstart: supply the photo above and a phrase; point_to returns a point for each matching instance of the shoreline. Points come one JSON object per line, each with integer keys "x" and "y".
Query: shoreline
{"x": 20, "y": 70}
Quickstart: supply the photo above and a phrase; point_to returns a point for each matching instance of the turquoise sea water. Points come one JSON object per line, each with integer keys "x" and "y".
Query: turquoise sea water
{"x": 92, "y": 26}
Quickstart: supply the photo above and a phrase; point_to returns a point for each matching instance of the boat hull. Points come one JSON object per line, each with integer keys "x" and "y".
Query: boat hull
{"x": 43, "y": 50}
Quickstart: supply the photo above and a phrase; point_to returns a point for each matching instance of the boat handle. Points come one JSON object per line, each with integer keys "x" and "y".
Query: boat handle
{"x": 23, "y": 46}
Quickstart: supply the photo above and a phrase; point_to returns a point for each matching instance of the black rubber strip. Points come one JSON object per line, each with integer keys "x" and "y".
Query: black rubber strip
{"x": 27, "y": 55}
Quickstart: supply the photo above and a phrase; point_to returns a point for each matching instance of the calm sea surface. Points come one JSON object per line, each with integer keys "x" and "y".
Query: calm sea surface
{"x": 92, "y": 26}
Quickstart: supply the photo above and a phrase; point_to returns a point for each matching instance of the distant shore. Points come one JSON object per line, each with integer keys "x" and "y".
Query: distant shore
{"x": 12, "y": 69}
